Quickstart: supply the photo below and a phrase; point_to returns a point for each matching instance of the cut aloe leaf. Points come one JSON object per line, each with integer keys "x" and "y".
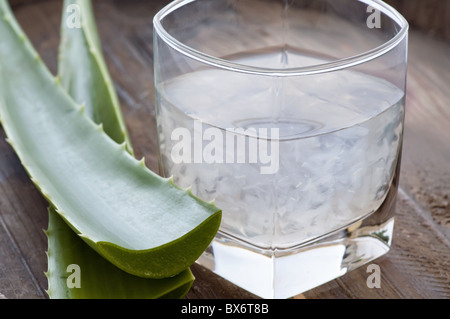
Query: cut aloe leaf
{"x": 100, "y": 279}
{"x": 84, "y": 73}
{"x": 78, "y": 272}
{"x": 140, "y": 222}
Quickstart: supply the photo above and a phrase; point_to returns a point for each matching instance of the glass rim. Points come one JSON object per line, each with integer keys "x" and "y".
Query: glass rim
{"x": 336, "y": 65}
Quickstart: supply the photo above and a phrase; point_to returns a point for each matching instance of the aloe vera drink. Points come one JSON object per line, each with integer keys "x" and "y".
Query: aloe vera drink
{"x": 336, "y": 155}
{"x": 289, "y": 115}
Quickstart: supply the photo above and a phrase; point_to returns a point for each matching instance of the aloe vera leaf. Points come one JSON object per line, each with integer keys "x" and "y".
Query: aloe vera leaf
{"x": 140, "y": 222}
{"x": 100, "y": 278}
{"x": 84, "y": 73}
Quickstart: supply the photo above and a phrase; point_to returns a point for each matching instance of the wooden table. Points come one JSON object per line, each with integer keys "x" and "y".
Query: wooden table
{"x": 418, "y": 266}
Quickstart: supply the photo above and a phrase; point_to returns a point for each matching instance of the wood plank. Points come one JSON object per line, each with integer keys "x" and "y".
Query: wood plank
{"x": 22, "y": 241}
{"x": 430, "y": 16}
{"x": 416, "y": 267}
{"x": 426, "y": 166}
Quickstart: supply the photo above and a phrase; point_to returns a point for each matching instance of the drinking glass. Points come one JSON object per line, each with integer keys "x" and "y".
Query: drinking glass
{"x": 289, "y": 115}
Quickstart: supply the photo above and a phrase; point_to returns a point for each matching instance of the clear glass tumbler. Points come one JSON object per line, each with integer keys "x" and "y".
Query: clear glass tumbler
{"x": 289, "y": 114}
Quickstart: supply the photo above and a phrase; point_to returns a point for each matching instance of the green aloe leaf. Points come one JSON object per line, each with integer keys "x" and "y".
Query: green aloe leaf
{"x": 100, "y": 279}
{"x": 140, "y": 222}
{"x": 83, "y": 71}
{"x": 97, "y": 278}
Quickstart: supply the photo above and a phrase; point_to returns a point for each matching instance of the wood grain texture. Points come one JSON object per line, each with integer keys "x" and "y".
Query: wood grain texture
{"x": 431, "y": 16}
{"x": 418, "y": 266}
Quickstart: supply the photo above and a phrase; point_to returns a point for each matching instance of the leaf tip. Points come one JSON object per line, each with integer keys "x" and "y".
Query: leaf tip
{"x": 22, "y": 37}
{"x": 170, "y": 180}
{"x": 57, "y": 78}
{"x": 123, "y": 146}
{"x": 38, "y": 59}
{"x": 43, "y": 192}
{"x": 10, "y": 142}
{"x": 142, "y": 162}
{"x": 85, "y": 237}
{"x": 188, "y": 190}
{"x": 82, "y": 108}
{"x": 34, "y": 181}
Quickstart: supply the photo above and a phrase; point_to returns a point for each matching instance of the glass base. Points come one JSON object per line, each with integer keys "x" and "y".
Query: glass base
{"x": 284, "y": 273}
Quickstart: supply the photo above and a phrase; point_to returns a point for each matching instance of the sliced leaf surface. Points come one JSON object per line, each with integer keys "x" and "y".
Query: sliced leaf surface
{"x": 140, "y": 222}
{"x": 95, "y": 277}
